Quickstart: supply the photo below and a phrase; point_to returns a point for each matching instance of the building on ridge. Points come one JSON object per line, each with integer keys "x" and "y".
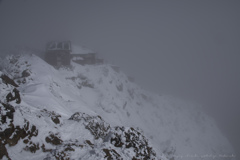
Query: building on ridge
{"x": 62, "y": 53}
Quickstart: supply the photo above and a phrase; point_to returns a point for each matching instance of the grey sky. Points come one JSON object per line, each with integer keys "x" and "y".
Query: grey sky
{"x": 190, "y": 49}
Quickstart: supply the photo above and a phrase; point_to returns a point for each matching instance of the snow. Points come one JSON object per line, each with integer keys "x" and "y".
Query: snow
{"x": 168, "y": 123}
{"x": 76, "y": 49}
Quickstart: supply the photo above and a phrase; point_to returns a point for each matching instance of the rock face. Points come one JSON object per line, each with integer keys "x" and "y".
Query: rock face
{"x": 10, "y": 134}
{"x": 95, "y": 112}
{"x": 116, "y": 137}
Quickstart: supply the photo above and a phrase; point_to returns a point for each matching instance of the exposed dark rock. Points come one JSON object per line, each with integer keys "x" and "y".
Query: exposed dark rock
{"x": 26, "y": 73}
{"x": 94, "y": 124}
{"x": 111, "y": 154}
{"x": 53, "y": 139}
{"x": 25, "y": 141}
{"x": 131, "y": 138}
{"x": 8, "y": 114}
{"x": 16, "y": 96}
{"x": 54, "y": 116}
{"x": 120, "y": 137}
{"x": 69, "y": 148}
{"x": 8, "y": 107}
{"x": 61, "y": 156}
{"x": 134, "y": 158}
{"x": 3, "y": 151}
{"x": 8, "y": 80}
{"x": 89, "y": 143}
{"x": 12, "y": 135}
{"x": 44, "y": 149}
{"x": 32, "y": 147}
{"x": 19, "y": 133}
{"x": 55, "y": 119}
{"x": 116, "y": 140}
{"x": 10, "y": 97}
{"x": 58, "y": 154}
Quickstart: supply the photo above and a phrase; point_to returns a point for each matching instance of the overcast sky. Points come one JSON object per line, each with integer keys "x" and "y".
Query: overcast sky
{"x": 190, "y": 49}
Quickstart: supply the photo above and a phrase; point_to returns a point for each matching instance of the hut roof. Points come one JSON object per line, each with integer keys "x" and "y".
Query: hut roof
{"x": 65, "y": 45}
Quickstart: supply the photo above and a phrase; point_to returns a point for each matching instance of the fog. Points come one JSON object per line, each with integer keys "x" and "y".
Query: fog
{"x": 189, "y": 49}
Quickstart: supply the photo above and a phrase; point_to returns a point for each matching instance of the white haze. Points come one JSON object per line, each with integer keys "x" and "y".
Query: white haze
{"x": 189, "y": 49}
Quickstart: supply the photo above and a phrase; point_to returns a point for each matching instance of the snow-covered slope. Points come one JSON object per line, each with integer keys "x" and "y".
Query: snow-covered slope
{"x": 96, "y": 112}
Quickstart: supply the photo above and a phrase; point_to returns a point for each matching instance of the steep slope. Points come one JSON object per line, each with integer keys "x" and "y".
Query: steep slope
{"x": 94, "y": 112}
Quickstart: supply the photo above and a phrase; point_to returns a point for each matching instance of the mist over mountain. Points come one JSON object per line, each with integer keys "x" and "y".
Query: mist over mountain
{"x": 187, "y": 49}
{"x": 95, "y": 111}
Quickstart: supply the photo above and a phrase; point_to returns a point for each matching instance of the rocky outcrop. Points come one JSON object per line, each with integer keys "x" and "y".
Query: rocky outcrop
{"x": 94, "y": 124}
{"x": 8, "y": 81}
{"x": 119, "y": 137}
{"x": 12, "y": 134}
{"x": 124, "y": 137}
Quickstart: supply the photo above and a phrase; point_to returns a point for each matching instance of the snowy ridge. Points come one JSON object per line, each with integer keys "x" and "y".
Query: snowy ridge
{"x": 107, "y": 108}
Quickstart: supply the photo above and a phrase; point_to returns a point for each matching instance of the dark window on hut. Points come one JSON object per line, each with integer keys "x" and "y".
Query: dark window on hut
{"x": 66, "y": 46}
{"x": 59, "y": 45}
